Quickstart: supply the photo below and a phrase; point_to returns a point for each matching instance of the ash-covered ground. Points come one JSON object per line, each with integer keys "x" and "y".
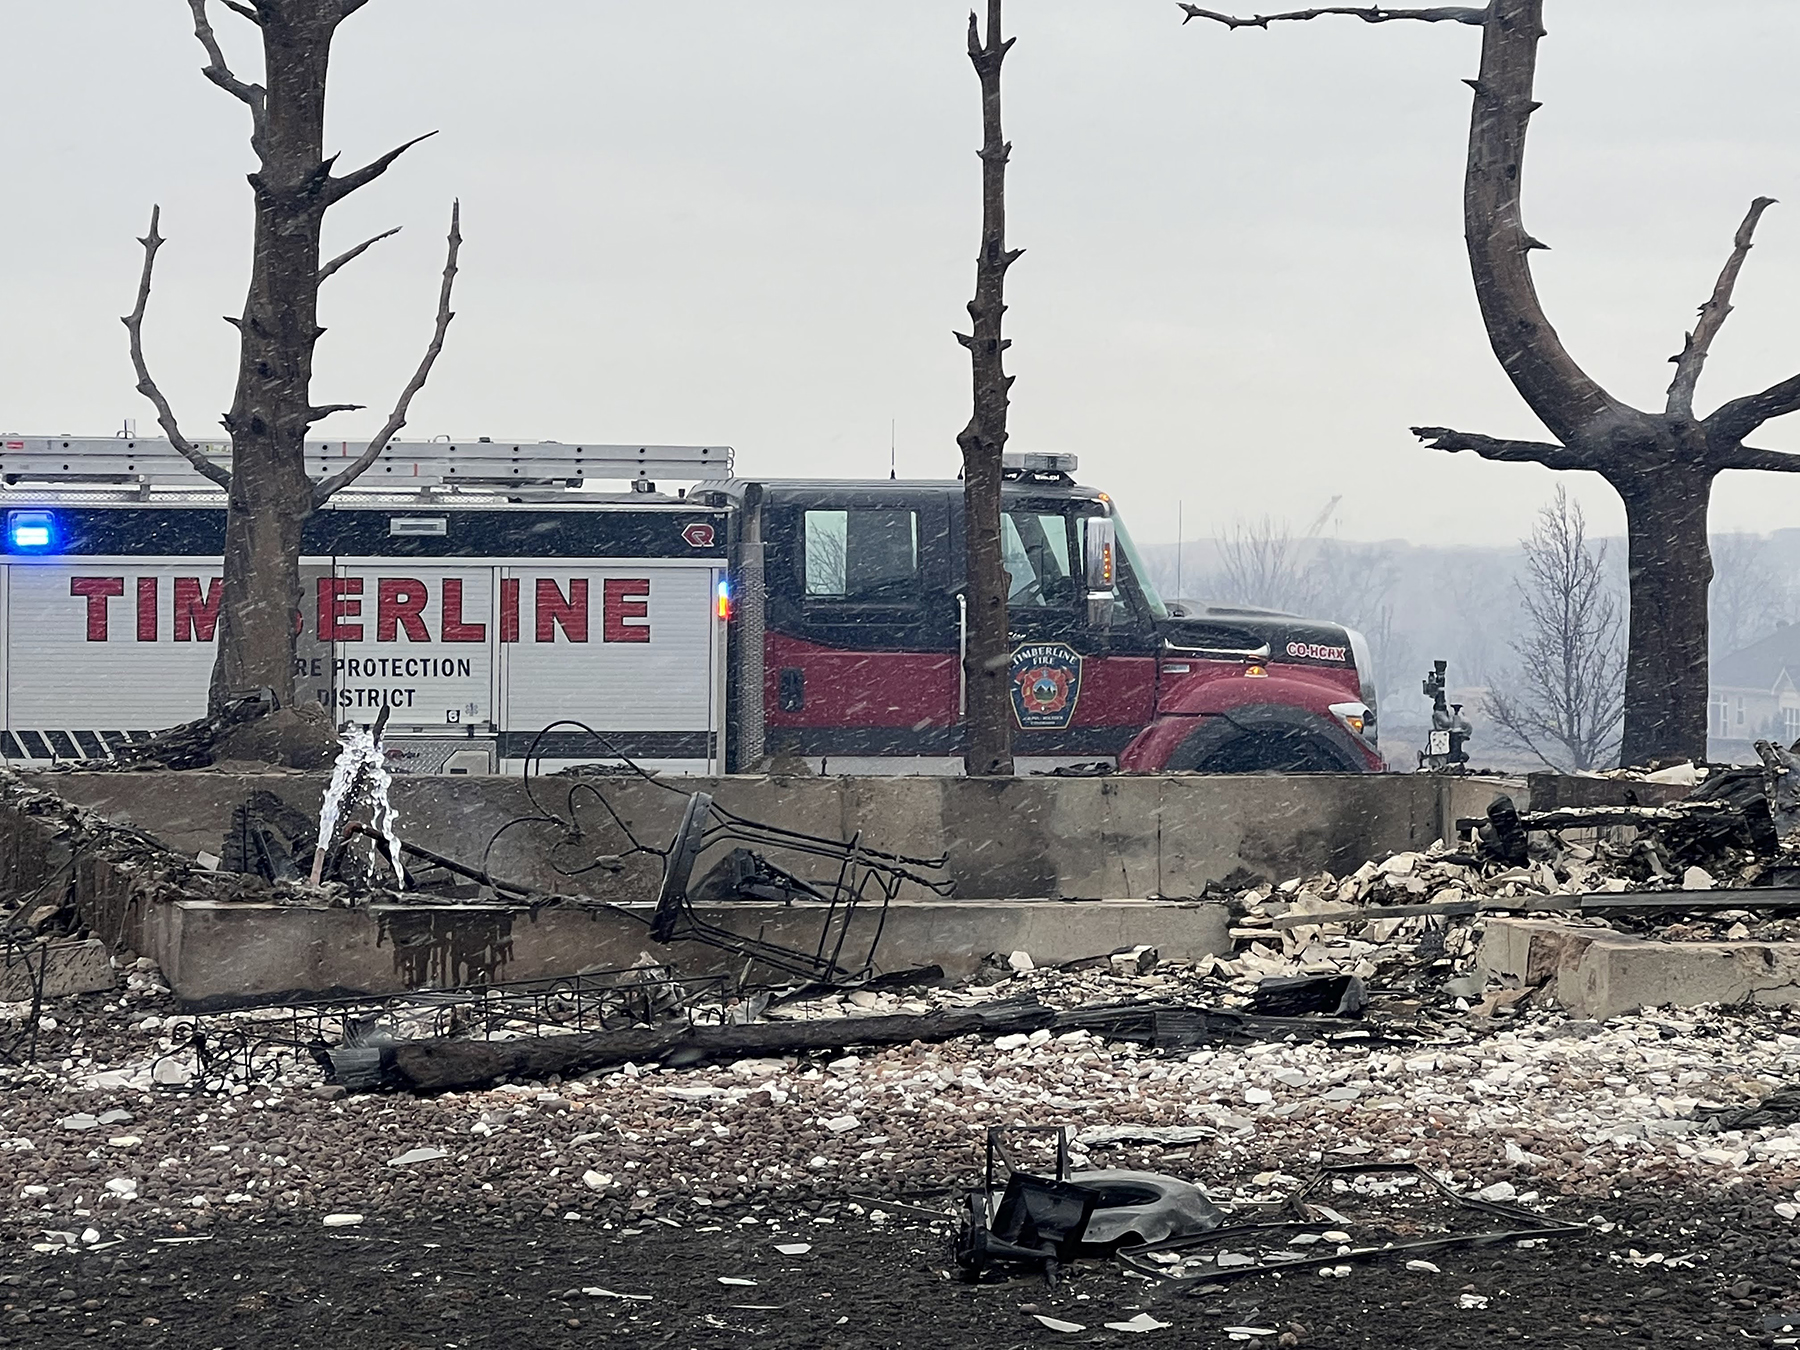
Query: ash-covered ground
{"x": 142, "y": 1205}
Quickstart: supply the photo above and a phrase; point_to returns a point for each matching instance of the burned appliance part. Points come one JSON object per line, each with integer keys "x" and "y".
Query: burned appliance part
{"x": 863, "y": 876}
{"x": 1030, "y": 1220}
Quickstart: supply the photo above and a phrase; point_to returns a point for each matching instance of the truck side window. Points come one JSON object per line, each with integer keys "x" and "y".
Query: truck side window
{"x": 1042, "y": 556}
{"x": 863, "y": 553}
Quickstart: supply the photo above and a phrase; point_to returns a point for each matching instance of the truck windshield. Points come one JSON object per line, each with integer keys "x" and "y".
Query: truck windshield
{"x": 1142, "y": 577}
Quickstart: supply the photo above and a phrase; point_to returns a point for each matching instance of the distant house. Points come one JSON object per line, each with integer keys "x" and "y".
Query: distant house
{"x": 1755, "y": 696}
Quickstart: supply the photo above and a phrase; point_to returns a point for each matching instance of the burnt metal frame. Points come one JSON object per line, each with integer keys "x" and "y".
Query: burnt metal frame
{"x": 1526, "y": 1225}
{"x": 705, "y": 824}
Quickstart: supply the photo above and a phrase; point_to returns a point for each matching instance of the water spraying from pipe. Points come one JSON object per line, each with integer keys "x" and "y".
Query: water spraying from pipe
{"x": 359, "y": 781}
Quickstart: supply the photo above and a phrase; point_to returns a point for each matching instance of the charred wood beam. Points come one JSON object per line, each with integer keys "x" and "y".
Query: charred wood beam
{"x": 445, "y": 1065}
{"x": 134, "y": 325}
{"x": 397, "y": 419}
{"x": 1712, "y": 316}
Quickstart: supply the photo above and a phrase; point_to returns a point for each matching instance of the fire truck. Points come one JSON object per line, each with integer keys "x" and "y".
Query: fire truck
{"x": 500, "y": 600}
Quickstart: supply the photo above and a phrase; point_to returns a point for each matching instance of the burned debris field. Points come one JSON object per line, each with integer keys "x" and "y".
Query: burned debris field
{"x": 816, "y": 1200}
{"x": 1343, "y": 1128}
{"x": 687, "y": 817}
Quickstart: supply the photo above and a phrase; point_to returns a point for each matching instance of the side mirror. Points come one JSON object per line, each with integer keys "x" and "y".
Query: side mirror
{"x": 1102, "y": 570}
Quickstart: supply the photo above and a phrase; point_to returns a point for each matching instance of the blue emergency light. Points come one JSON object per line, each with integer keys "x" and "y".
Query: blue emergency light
{"x": 30, "y": 531}
{"x": 724, "y": 602}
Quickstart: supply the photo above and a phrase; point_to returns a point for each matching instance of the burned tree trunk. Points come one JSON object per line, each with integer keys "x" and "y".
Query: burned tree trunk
{"x": 269, "y": 493}
{"x": 988, "y": 656}
{"x": 1662, "y": 464}
{"x": 1669, "y": 564}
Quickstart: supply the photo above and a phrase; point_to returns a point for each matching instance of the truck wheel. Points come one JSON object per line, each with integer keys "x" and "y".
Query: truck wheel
{"x": 1274, "y": 752}
{"x": 1264, "y": 740}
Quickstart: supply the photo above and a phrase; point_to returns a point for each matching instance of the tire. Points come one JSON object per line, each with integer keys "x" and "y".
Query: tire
{"x": 1267, "y": 740}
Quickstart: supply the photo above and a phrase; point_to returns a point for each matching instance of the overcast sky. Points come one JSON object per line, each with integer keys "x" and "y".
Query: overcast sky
{"x": 755, "y": 224}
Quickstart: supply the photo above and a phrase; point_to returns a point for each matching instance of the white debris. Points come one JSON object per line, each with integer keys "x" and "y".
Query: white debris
{"x": 418, "y": 1155}
{"x": 1021, "y": 962}
{"x": 1472, "y": 1301}
{"x": 337, "y": 1220}
{"x": 1142, "y": 1322}
{"x": 793, "y": 1248}
{"x": 1057, "y": 1324}
{"x": 1423, "y": 1267}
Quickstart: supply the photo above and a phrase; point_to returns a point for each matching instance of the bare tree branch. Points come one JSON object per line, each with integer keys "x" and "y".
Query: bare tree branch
{"x": 134, "y": 325}
{"x": 1367, "y": 13}
{"x": 351, "y": 255}
{"x": 1553, "y": 385}
{"x": 253, "y": 96}
{"x": 243, "y": 9}
{"x": 336, "y": 189}
{"x": 1712, "y": 316}
{"x": 1749, "y": 457}
{"x": 1510, "y": 452}
{"x": 320, "y": 413}
{"x": 337, "y": 481}
{"x": 1738, "y": 418}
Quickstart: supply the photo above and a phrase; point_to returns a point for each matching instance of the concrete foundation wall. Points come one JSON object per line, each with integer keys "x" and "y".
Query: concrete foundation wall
{"x": 1044, "y": 838}
{"x": 215, "y": 955}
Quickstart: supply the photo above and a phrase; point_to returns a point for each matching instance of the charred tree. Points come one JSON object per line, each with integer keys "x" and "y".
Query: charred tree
{"x": 1661, "y": 463}
{"x": 987, "y": 659}
{"x": 269, "y": 493}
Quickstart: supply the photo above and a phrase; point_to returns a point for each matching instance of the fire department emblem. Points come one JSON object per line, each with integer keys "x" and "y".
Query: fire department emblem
{"x": 1046, "y": 681}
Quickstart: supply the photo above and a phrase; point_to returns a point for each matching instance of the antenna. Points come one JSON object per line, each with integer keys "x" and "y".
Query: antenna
{"x": 1180, "y": 542}
{"x": 893, "y": 471}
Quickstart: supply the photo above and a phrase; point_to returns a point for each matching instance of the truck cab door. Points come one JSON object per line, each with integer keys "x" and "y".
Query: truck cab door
{"x": 861, "y": 644}
{"x": 1083, "y": 677}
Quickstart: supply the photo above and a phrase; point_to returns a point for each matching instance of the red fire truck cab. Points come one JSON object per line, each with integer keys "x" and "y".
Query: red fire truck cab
{"x": 847, "y": 640}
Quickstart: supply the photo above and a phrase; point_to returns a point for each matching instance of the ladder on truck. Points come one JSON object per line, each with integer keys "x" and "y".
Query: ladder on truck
{"x": 402, "y": 466}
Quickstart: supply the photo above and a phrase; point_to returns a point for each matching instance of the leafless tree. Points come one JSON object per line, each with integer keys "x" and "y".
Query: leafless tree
{"x": 1750, "y": 595}
{"x": 269, "y": 493}
{"x": 987, "y": 662}
{"x": 1265, "y": 563}
{"x": 1663, "y": 463}
{"x": 1570, "y": 672}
